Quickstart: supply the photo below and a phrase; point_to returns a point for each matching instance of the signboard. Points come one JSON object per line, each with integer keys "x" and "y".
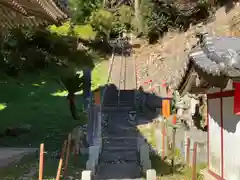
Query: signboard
{"x": 132, "y": 115}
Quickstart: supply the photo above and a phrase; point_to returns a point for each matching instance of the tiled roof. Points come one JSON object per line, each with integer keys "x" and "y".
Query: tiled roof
{"x": 215, "y": 56}
{"x": 222, "y": 55}
{"x": 34, "y": 12}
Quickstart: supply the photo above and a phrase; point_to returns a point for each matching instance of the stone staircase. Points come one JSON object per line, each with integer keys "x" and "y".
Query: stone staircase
{"x": 119, "y": 159}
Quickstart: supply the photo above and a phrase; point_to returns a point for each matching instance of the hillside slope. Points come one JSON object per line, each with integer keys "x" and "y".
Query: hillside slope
{"x": 169, "y": 55}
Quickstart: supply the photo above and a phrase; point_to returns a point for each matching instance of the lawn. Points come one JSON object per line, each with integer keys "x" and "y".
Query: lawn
{"x": 27, "y": 168}
{"x": 40, "y": 102}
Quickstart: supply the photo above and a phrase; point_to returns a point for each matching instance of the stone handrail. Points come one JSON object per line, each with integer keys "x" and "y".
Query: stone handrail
{"x": 151, "y": 174}
{"x": 86, "y": 175}
{"x": 144, "y": 152}
{"x": 95, "y": 148}
{"x": 96, "y": 145}
{"x": 145, "y": 161}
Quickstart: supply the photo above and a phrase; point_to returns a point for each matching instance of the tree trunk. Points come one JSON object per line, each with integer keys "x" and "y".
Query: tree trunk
{"x": 138, "y": 16}
{"x": 72, "y": 105}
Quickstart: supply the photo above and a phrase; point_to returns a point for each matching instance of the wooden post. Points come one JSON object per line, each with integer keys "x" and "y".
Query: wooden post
{"x": 166, "y": 109}
{"x": 163, "y": 141}
{"x": 194, "y": 162}
{"x": 97, "y": 97}
{"x": 138, "y": 16}
{"x": 67, "y": 155}
{"x": 188, "y": 151}
{"x": 40, "y": 175}
{"x": 173, "y": 149}
{"x": 61, "y": 160}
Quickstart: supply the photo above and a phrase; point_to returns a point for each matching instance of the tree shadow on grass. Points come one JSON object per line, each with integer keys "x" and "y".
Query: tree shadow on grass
{"x": 40, "y": 104}
{"x": 27, "y": 167}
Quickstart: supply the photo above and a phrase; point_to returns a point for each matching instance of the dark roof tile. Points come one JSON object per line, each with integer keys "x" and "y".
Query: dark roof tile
{"x": 216, "y": 56}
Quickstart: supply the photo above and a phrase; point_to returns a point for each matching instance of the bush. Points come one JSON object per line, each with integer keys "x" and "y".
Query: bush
{"x": 85, "y": 32}
{"x": 160, "y": 16}
{"x": 34, "y": 49}
{"x": 102, "y": 22}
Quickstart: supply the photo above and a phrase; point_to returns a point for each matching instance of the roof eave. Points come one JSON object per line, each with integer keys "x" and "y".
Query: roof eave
{"x": 36, "y": 12}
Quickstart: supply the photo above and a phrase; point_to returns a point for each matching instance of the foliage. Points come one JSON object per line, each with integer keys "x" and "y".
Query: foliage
{"x": 82, "y": 9}
{"x": 123, "y": 20}
{"x": 73, "y": 82}
{"x": 63, "y": 30}
{"x": 160, "y": 16}
{"x": 102, "y": 22}
{"x": 35, "y": 49}
{"x": 85, "y": 32}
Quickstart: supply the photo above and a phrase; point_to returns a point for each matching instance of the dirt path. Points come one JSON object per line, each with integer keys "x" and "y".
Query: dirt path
{"x": 13, "y": 155}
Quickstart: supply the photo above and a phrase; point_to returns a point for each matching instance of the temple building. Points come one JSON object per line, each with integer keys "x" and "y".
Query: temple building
{"x": 213, "y": 68}
{"x": 32, "y": 13}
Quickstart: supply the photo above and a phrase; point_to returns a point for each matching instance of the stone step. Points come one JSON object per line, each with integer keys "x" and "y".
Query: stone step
{"x": 119, "y": 138}
{"x": 119, "y": 148}
{"x": 119, "y": 133}
{"x": 119, "y": 142}
{"x": 119, "y": 156}
{"x": 107, "y": 109}
{"x": 124, "y": 179}
{"x": 121, "y": 126}
{"x": 119, "y": 171}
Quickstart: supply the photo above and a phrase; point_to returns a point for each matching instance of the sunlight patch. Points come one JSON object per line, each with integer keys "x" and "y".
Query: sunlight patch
{"x": 36, "y": 85}
{"x": 60, "y": 93}
{"x": 64, "y": 93}
{"x": 2, "y": 106}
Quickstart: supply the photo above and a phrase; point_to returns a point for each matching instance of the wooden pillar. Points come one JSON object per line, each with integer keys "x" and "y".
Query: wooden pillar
{"x": 188, "y": 151}
{"x": 166, "y": 108}
{"x": 40, "y": 173}
{"x": 97, "y": 97}
{"x": 194, "y": 162}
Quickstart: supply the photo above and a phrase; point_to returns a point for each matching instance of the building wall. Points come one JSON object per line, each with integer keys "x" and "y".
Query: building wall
{"x": 214, "y": 135}
{"x": 223, "y": 135}
{"x": 231, "y": 141}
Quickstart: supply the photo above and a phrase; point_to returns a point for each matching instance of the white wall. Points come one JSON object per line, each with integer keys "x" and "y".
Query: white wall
{"x": 214, "y": 118}
{"x": 231, "y": 141}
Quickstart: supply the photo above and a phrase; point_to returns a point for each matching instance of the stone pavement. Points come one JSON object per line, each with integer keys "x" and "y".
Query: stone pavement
{"x": 13, "y": 155}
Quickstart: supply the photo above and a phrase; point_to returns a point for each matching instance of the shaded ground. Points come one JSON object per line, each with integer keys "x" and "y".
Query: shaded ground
{"x": 39, "y": 102}
{"x": 27, "y": 168}
{"x": 12, "y": 155}
{"x": 164, "y": 168}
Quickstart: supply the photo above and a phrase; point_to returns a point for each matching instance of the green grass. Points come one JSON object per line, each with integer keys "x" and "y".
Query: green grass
{"x": 32, "y": 102}
{"x": 163, "y": 168}
{"x": 13, "y": 171}
{"x": 28, "y": 167}
{"x": 99, "y": 75}
{"x": 40, "y": 102}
